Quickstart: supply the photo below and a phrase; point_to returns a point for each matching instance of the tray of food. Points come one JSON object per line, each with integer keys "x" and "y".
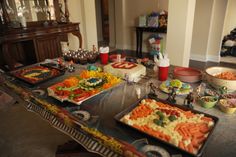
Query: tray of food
{"x": 87, "y": 84}
{"x": 185, "y": 129}
{"x": 37, "y": 74}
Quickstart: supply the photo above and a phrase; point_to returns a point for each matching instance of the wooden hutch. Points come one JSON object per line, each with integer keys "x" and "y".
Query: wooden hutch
{"x": 37, "y": 41}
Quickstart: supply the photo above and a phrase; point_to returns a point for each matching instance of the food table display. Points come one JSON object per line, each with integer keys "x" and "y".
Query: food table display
{"x": 92, "y": 122}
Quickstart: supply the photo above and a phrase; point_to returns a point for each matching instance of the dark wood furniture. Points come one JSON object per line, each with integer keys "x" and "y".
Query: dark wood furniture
{"x": 139, "y": 36}
{"x": 35, "y": 44}
{"x": 105, "y": 20}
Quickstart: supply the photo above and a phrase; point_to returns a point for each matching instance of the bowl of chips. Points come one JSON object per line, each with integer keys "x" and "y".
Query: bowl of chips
{"x": 220, "y": 77}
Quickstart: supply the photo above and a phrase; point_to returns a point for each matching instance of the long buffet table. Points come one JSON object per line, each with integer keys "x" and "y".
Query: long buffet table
{"x": 97, "y": 129}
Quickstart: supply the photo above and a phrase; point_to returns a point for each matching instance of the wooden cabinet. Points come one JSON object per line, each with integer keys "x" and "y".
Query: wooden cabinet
{"x": 48, "y": 47}
{"x": 34, "y": 44}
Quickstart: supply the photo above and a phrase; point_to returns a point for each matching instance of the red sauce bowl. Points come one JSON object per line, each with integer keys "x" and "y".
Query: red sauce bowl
{"x": 189, "y": 75}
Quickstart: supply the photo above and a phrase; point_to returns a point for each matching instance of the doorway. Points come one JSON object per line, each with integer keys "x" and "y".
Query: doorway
{"x": 105, "y": 15}
{"x": 228, "y": 46}
{"x": 102, "y": 19}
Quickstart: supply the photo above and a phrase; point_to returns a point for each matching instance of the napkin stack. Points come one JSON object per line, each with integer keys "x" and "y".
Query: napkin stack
{"x": 104, "y": 49}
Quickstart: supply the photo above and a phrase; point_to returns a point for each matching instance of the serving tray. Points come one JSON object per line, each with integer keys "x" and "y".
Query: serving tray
{"x": 120, "y": 115}
{"x": 37, "y": 74}
{"x": 51, "y": 93}
{"x": 79, "y": 88}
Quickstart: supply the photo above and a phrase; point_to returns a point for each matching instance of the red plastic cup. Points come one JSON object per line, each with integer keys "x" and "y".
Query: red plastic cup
{"x": 163, "y": 73}
{"x": 104, "y": 58}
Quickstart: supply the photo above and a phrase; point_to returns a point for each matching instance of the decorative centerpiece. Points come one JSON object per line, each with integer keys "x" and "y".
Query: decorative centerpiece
{"x": 79, "y": 88}
{"x": 181, "y": 88}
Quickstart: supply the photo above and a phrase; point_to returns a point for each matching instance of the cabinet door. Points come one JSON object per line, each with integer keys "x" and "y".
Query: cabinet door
{"x": 48, "y": 47}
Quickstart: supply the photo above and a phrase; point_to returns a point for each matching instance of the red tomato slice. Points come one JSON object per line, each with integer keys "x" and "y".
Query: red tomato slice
{"x": 78, "y": 91}
{"x": 81, "y": 97}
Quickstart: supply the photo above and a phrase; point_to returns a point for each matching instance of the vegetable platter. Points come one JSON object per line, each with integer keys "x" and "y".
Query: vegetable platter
{"x": 87, "y": 84}
{"x": 182, "y": 128}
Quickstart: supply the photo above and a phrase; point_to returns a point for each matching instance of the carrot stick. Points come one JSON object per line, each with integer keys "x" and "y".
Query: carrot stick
{"x": 195, "y": 143}
{"x": 207, "y": 119}
{"x": 181, "y": 145}
{"x": 190, "y": 148}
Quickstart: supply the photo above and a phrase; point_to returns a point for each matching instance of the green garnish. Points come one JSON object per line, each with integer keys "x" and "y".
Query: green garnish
{"x": 172, "y": 118}
{"x": 160, "y": 114}
{"x": 176, "y": 83}
{"x": 67, "y": 88}
{"x": 161, "y": 117}
{"x": 71, "y": 96}
{"x": 59, "y": 88}
{"x": 158, "y": 122}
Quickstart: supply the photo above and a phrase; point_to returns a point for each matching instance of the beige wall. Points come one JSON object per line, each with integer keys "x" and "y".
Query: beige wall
{"x": 90, "y": 23}
{"x": 84, "y": 12}
{"x": 162, "y": 5}
{"x": 201, "y": 28}
{"x": 120, "y": 23}
{"x": 141, "y": 7}
{"x": 208, "y": 30}
{"x": 125, "y": 20}
{"x": 132, "y": 9}
{"x": 75, "y": 10}
{"x": 216, "y": 31}
{"x": 230, "y": 19}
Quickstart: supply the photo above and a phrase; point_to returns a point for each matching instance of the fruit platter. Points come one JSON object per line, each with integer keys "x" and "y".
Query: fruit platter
{"x": 182, "y": 88}
{"x": 183, "y": 128}
{"x": 36, "y": 74}
{"x": 87, "y": 84}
